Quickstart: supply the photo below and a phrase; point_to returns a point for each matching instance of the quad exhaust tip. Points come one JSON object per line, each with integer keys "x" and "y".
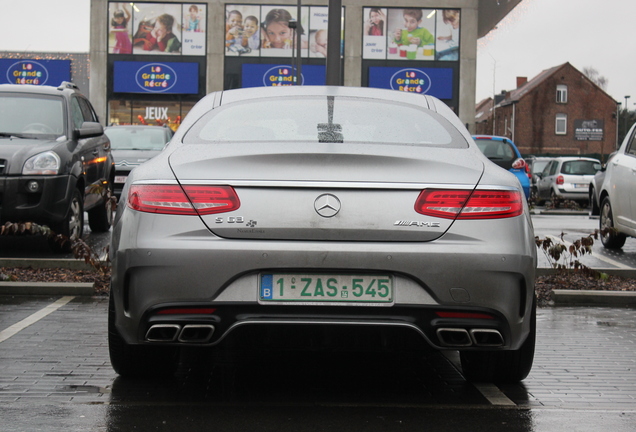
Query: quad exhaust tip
{"x": 189, "y": 333}
{"x": 459, "y": 337}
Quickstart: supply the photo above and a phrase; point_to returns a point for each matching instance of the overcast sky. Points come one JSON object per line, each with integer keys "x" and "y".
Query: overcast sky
{"x": 536, "y": 35}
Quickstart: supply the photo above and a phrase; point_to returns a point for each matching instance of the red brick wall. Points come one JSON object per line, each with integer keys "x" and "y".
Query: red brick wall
{"x": 535, "y": 116}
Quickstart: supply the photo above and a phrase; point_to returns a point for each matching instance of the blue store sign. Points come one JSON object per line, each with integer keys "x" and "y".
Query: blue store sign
{"x": 168, "y": 77}
{"x": 268, "y": 75}
{"x": 436, "y": 82}
{"x": 34, "y": 72}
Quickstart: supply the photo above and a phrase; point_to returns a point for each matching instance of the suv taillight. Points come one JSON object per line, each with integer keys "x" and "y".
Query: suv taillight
{"x": 192, "y": 200}
{"x": 560, "y": 180}
{"x": 466, "y": 204}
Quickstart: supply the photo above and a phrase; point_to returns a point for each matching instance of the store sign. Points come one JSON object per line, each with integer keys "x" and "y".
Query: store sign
{"x": 34, "y": 72}
{"x": 588, "y": 130}
{"x": 436, "y": 82}
{"x": 267, "y": 75}
{"x": 142, "y": 77}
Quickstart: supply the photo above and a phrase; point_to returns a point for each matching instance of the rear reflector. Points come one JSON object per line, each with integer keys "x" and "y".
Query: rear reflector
{"x": 183, "y": 311}
{"x": 466, "y": 204}
{"x": 464, "y": 315}
{"x": 191, "y": 200}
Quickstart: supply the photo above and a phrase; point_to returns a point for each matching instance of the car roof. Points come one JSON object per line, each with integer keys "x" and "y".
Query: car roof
{"x": 65, "y": 88}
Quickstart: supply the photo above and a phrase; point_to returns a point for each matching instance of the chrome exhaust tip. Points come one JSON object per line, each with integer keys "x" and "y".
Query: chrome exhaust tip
{"x": 163, "y": 333}
{"x": 454, "y": 337}
{"x": 196, "y": 333}
{"x": 487, "y": 337}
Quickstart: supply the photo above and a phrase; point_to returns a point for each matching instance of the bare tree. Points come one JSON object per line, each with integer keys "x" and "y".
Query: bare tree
{"x": 595, "y": 77}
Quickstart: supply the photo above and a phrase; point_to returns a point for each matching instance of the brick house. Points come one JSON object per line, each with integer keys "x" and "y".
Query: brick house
{"x": 558, "y": 112}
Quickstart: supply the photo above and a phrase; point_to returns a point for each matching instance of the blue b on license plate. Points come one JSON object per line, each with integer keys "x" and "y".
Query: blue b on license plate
{"x": 326, "y": 288}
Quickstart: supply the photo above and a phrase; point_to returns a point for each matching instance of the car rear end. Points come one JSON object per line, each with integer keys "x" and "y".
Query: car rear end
{"x": 574, "y": 178}
{"x": 217, "y": 233}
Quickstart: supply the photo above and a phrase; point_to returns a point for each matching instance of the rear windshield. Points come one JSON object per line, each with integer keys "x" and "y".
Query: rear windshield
{"x": 580, "y": 167}
{"x": 133, "y": 138}
{"x": 324, "y": 119}
{"x": 31, "y": 115}
{"x": 497, "y": 151}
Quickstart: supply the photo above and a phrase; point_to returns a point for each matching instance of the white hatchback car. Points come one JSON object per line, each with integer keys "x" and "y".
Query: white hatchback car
{"x": 618, "y": 195}
{"x": 567, "y": 178}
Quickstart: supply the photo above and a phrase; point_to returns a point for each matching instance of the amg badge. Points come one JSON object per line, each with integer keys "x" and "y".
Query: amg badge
{"x": 417, "y": 223}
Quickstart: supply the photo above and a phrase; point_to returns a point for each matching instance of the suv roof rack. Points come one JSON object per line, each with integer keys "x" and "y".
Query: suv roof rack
{"x": 67, "y": 85}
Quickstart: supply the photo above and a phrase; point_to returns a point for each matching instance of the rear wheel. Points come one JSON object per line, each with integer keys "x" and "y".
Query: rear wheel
{"x": 100, "y": 218}
{"x": 72, "y": 227}
{"x": 610, "y": 238}
{"x": 507, "y": 367}
{"x": 138, "y": 361}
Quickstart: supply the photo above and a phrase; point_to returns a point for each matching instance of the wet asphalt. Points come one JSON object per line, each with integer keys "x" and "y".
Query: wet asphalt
{"x": 55, "y": 375}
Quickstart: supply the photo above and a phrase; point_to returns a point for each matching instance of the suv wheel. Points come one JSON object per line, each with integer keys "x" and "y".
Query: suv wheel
{"x": 138, "y": 361}
{"x": 72, "y": 227}
{"x": 100, "y": 218}
{"x": 610, "y": 238}
{"x": 507, "y": 367}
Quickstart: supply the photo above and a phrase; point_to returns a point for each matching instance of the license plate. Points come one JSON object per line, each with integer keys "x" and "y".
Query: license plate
{"x": 120, "y": 179}
{"x": 326, "y": 288}
{"x": 580, "y": 185}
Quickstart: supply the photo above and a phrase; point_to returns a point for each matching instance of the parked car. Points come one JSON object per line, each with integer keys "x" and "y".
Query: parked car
{"x": 504, "y": 153}
{"x": 133, "y": 145}
{"x": 313, "y": 206}
{"x": 618, "y": 195}
{"x": 567, "y": 178}
{"x": 536, "y": 164}
{"x": 55, "y": 160}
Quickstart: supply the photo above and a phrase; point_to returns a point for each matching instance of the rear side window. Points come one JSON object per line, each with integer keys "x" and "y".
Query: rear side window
{"x": 496, "y": 150}
{"x": 324, "y": 119}
{"x": 581, "y": 167}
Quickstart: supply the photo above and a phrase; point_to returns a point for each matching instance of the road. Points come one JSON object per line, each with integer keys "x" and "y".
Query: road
{"x": 55, "y": 375}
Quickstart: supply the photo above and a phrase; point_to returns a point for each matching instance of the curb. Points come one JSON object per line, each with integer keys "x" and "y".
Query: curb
{"x": 593, "y": 298}
{"x": 39, "y": 263}
{"x": 47, "y": 288}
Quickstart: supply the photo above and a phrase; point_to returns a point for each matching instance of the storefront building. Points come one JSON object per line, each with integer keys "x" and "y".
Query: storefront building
{"x": 152, "y": 61}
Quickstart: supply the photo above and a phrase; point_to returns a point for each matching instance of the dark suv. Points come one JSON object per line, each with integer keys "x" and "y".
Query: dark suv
{"x": 55, "y": 160}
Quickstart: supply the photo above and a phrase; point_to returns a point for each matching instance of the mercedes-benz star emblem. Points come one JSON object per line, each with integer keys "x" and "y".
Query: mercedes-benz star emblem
{"x": 327, "y": 205}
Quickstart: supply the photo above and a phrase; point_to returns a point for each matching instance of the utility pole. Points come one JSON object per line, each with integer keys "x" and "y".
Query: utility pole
{"x": 334, "y": 26}
{"x": 626, "y": 115}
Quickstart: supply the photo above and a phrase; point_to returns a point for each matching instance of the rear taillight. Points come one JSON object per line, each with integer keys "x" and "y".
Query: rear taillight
{"x": 560, "y": 180}
{"x": 191, "y": 200}
{"x": 466, "y": 204}
{"x": 520, "y": 164}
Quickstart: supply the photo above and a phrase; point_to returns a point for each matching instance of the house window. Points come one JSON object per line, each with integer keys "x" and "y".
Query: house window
{"x": 562, "y": 93}
{"x": 561, "y": 124}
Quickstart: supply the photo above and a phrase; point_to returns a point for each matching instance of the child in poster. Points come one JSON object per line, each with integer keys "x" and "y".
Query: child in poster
{"x": 119, "y": 27}
{"x": 193, "y": 21}
{"x": 413, "y": 33}
{"x": 161, "y": 37}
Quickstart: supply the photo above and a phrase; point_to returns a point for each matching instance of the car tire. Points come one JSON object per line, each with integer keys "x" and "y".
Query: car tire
{"x": 138, "y": 361}
{"x": 71, "y": 228}
{"x": 506, "y": 367}
{"x": 100, "y": 218}
{"x": 611, "y": 239}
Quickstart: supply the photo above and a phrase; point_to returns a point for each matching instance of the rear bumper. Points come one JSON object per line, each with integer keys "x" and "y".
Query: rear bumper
{"x": 155, "y": 267}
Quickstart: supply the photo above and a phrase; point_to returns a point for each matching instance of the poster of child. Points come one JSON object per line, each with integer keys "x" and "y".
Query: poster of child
{"x": 119, "y": 38}
{"x": 318, "y": 31}
{"x": 447, "y": 43}
{"x": 192, "y": 20}
{"x": 194, "y": 28}
{"x": 374, "y": 38}
{"x": 411, "y": 29}
{"x": 158, "y": 28}
{"x": 242, "y": 35}
{"x": 277, "y": 38}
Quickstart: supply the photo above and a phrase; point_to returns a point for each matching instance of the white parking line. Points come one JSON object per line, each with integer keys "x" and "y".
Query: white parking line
{"x": 19, "y": 326}
{"x": 610, "y": 261}
{"x": 493, "y": 394}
